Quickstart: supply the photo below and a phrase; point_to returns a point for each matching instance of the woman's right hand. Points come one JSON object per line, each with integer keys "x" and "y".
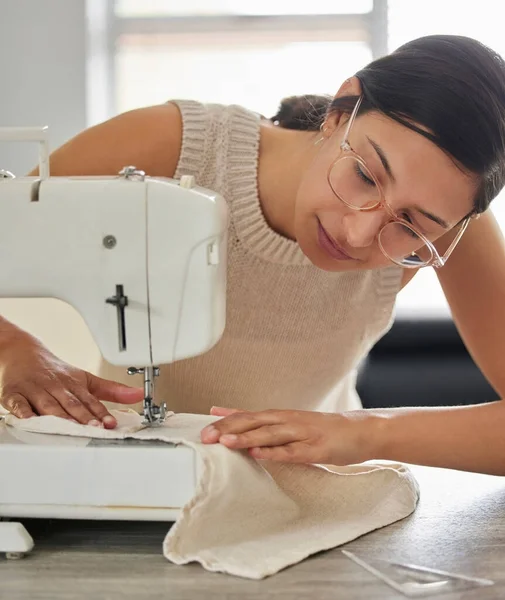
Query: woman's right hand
{"x": 33, "y": 381}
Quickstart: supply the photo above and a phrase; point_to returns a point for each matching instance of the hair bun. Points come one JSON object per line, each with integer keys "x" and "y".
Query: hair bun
{"x": 302, "y": 112}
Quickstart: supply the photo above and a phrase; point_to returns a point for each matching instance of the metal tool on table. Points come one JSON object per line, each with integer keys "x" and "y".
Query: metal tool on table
{"x": 143, "y": 260}
{"x": 415, "y": 581}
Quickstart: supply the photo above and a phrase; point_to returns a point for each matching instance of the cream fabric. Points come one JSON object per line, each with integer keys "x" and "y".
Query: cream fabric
{"x": 253, "y": 518}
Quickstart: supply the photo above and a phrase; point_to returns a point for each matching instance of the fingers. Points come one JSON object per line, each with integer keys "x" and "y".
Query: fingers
{"x": 267, "y": 435}
{"x": 111, "y": 391}
{"x": 53, "y": 398}
{"x": 45, "y": 403}
{"x": 290, "y": 453}
{"x": 93, "y": 406}
{"x": 55, "y": 388}
{"x": 246, "y": 430}
{"x": 219, "y": 411}
{"x": 72, "y": 404}
{"x": 239, "y": 422}
{"x": 235, "y": 423}
{"x": 17, "y": 405}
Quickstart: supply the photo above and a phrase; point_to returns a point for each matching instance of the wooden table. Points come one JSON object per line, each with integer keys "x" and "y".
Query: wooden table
{"x": 459, "y": 526}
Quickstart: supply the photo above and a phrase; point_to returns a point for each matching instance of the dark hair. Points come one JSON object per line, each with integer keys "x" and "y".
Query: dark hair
{"x": 450, "y": 89}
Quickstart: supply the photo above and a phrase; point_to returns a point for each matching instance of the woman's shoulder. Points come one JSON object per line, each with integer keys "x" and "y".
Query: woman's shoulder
{"x": 213, "y": 137}
{"x": 209, "y": 107}
{"x": 215, "y": 118}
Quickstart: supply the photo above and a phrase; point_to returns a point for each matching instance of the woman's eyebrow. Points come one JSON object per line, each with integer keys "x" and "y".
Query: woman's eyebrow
{"x": 432, "y": 217}
{"x": 382, "y": 157}
{"x": 387, "y": 168}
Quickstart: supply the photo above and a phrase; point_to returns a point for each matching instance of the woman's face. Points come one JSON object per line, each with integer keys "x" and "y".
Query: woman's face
{"x": 420, "y": 183}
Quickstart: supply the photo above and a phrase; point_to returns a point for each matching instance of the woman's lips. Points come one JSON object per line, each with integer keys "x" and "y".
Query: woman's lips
{"x": 329, "y": 246}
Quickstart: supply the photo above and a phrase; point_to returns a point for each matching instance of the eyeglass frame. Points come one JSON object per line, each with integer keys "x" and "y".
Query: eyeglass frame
{"x": 346, "y": 150}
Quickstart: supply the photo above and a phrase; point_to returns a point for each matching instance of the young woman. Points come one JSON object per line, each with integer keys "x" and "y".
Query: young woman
{"x": 333, "y": 211}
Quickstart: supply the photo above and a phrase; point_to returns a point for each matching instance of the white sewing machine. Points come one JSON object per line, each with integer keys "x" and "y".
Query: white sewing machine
{"x": 143, "y": 260}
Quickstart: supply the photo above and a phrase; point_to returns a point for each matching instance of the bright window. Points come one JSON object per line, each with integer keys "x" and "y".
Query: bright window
{"x": 232, "y": 69}
{"x": 249, "y": 52}
{"x": 156, "y": 8}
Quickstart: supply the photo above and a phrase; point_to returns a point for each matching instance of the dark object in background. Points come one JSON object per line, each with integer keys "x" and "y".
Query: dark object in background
{"x": 422, "y": 363}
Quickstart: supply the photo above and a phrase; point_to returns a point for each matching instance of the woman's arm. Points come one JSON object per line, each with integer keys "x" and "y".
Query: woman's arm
{"x": 467, "y": 438}
{"x": 473, "y": 281}
{"x": 148, "y": 138}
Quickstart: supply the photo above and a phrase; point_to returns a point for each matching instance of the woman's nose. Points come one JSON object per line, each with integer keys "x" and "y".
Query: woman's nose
{"x": 363, "y": 227}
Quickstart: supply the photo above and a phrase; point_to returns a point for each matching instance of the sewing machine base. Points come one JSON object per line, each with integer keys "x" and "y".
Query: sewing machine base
{"x": 50, "y": 476}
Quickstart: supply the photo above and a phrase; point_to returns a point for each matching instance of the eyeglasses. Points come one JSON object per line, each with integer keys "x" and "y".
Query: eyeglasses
{"x": 357, "y": 187}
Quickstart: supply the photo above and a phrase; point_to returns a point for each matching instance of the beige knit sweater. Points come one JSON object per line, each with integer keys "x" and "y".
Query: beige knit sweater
{"x": 294, "y": 334}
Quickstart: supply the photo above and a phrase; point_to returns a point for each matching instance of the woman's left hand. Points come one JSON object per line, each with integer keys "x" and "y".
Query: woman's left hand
{"x": 292, "y": 435}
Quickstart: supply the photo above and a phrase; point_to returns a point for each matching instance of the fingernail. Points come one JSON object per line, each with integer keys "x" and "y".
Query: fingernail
{"x": 94, "y": 423}
{"x": 109, "y": 421}
{"x": 210, "y": 433}
{"x": 228, "y": 438}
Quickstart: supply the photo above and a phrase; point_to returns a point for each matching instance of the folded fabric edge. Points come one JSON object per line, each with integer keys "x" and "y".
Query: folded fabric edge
{"x": 283, "y": 560}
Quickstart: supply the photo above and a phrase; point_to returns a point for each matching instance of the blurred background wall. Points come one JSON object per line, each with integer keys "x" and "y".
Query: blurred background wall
{"x": 44, "y": 55}
{"x": 73, "y": 63}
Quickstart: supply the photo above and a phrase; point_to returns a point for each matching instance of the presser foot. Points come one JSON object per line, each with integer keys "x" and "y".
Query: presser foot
{"x": 153, "y": 414}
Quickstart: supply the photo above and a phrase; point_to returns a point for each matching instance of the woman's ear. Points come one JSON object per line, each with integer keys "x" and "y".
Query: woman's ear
{"x": 350, "y": 87}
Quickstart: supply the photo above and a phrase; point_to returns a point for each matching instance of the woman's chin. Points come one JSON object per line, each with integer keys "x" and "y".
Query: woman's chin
{"x": 321, "y": 260}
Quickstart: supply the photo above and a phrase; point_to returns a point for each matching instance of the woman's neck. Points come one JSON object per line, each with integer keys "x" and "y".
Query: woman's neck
{"x": 284, "y": 155}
